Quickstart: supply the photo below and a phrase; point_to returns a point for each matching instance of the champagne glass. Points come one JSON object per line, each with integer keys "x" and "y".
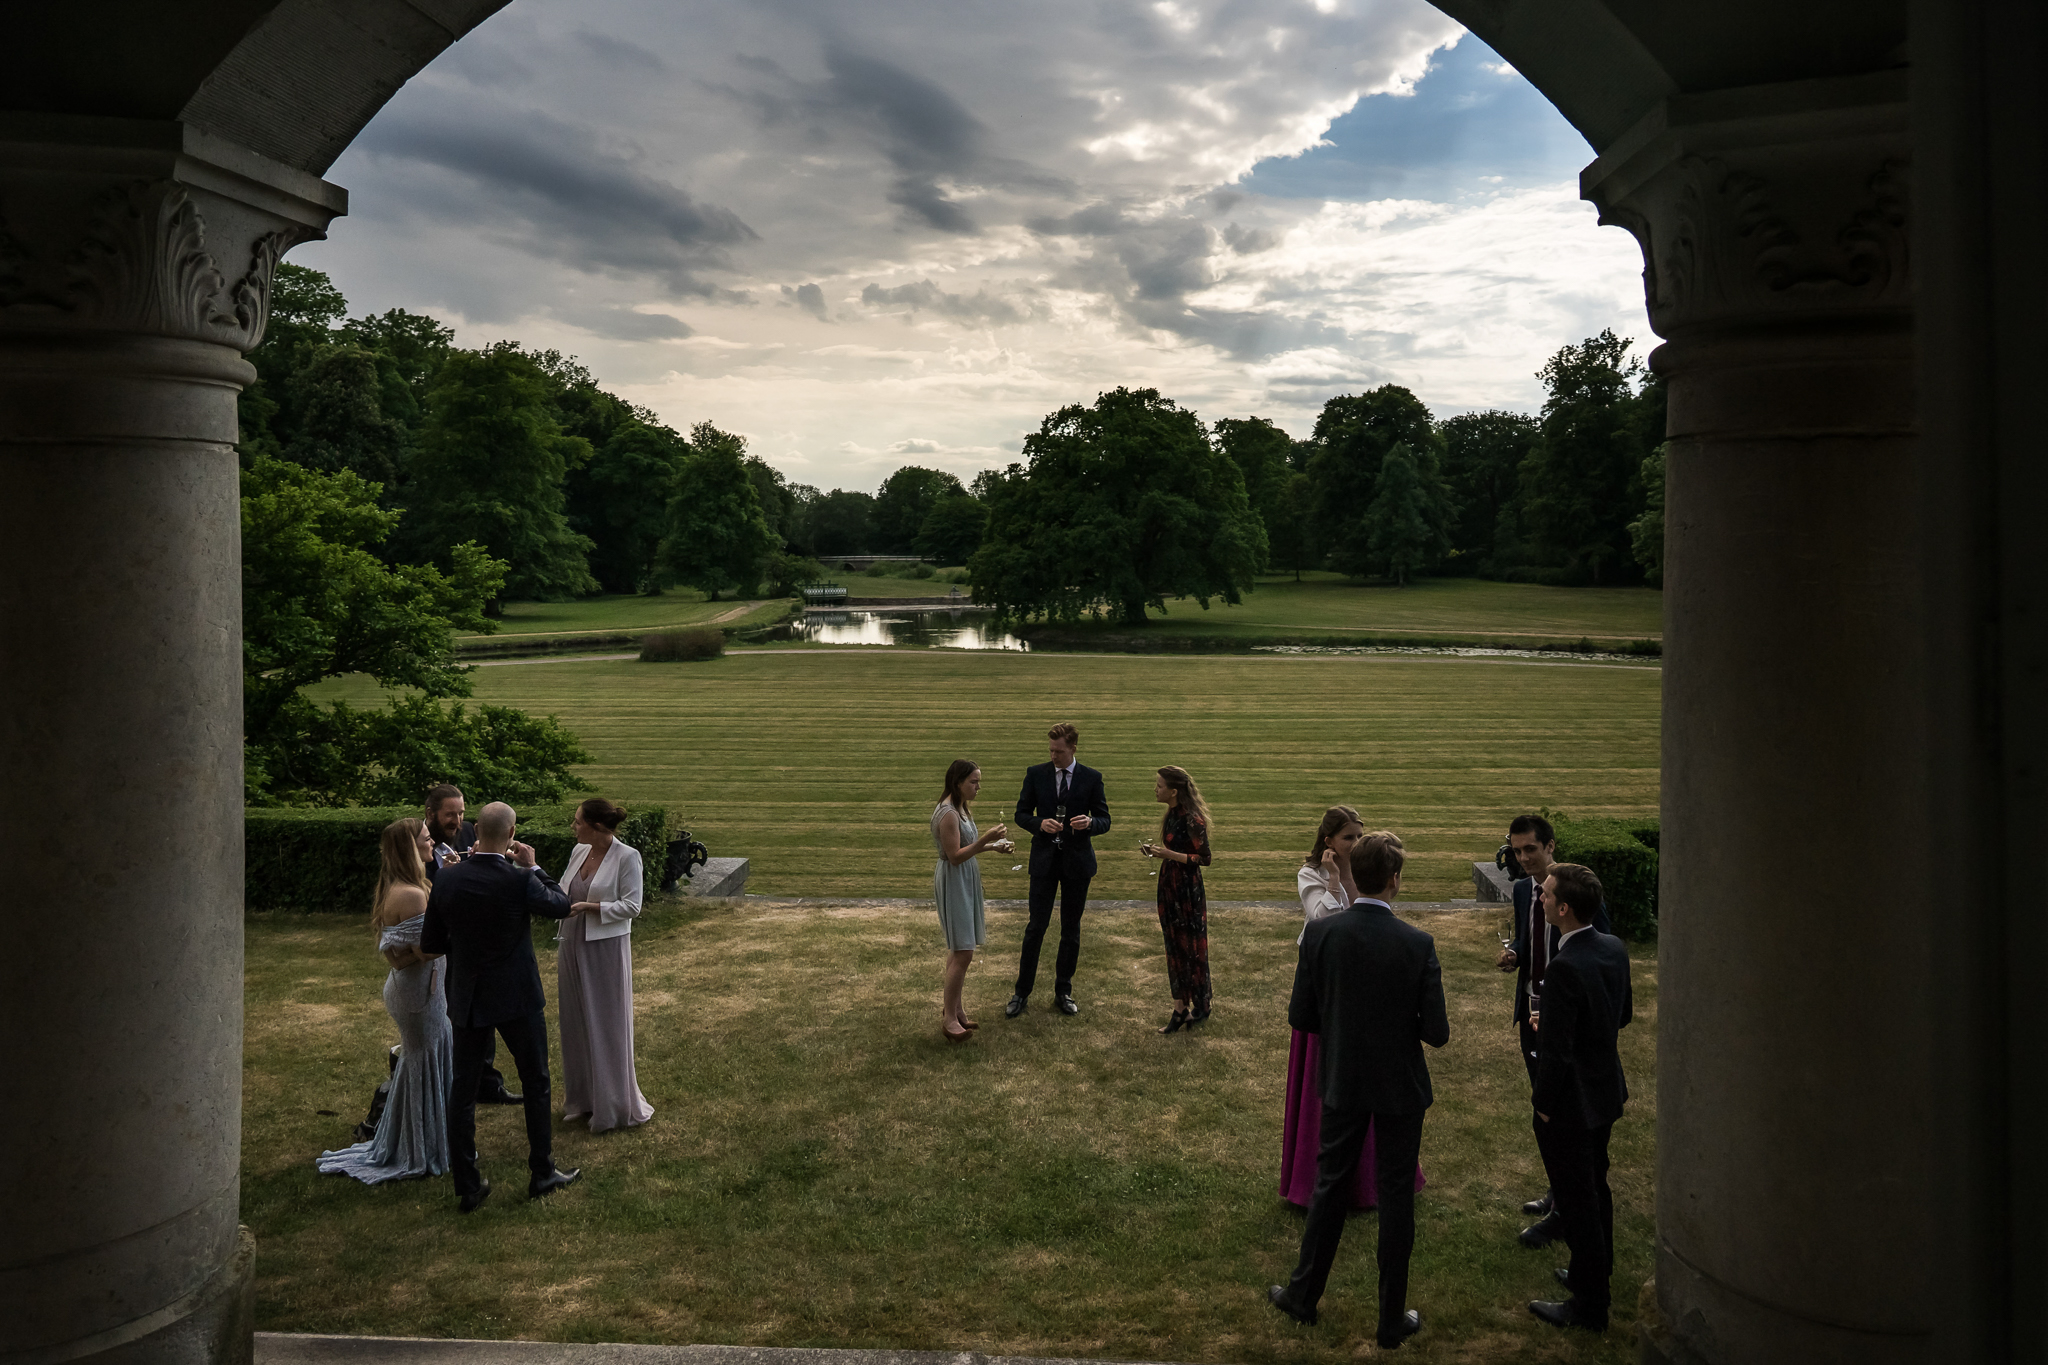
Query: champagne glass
{"x": 1059, "y": 813}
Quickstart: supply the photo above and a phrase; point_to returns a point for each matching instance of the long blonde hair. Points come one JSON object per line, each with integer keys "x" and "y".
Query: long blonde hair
{"x": 399, "y": 860}
{"x": 1186, "y": 798}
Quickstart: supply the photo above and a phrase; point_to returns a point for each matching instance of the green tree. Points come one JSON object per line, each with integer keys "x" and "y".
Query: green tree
{"x": 338, "y": 397}
{"x": 1646, "y": 532}
{"x": 841, "y": 523}
{"x": 388, "y": 757}
{"x": 304, "y": 309}
{"x": 318, "y": 603}
{"x": 1483, "y": 452}
{"x": 414, "y": 344}
{"x": 717, "y": 538}
{"x": 1580, "y": 486}
{"x": 489, "y": 468}
{"x": 953, "y": 530}
{"x": 1399, "y": 534}
{"x": 1117, "y": 506}
{"x": 1291, "y": 536}
{"x": 1261, "y": 452}
{"x": 905, "y": 499}
{"x": 1353, "y": 434}
{"x": 781, "y": 501}
{"x": 619, "y": 500}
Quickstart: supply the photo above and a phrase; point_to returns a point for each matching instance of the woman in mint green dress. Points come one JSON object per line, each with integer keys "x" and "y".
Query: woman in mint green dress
{"x": 956, "y": 886}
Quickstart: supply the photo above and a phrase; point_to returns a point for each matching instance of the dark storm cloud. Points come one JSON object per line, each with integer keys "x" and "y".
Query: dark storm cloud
{"x": 553, "y": 186}
{"x": 810, "y": 298}
{"x": 978, "y": 307}
{"x": 625, "y": 324}
{"x": 1146, "y": 268}
{"x": 930, "y": 138}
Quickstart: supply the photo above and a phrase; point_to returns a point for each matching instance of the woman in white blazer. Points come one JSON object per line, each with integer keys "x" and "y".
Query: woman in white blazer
{"x": 594, "y": 973}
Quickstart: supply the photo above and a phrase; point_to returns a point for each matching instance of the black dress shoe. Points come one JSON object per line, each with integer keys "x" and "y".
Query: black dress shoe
{"x": 1177, "y": 1023}
{"x": 1540, "y": 1208}
{"x": 1277, "y": 1296}
{"x": 1563, "y": 1275}
{"x": 1018, "y": 1004}
{"x": 1410, "y": 1323}
{"x": 1065, "y": 1004}
{"x": 469, "y": 1203}
{"x": 1198, "y": 1016}
{"x": 552, "y": 1181}
{"x": 1570, "y": 1313}
{"x": 500, "y": 1096}
{"x": 1540, "y": 1235}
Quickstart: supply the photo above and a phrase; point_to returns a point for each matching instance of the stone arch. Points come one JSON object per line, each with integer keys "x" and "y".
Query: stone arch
{"x": 1852, "y": 1100}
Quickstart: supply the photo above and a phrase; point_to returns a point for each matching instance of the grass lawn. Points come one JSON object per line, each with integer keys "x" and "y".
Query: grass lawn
{"x": 823, "y": 765}
{"x": 824, "y": 1170}
{"x": 1327, "y": 603}
{"x": 612, "y": 615}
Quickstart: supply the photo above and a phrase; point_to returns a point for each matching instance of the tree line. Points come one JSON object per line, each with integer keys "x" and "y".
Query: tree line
{"x": 397, "y": 487}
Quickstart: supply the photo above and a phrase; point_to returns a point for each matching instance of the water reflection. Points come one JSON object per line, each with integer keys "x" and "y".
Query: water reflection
{"x": 930, "y": 629}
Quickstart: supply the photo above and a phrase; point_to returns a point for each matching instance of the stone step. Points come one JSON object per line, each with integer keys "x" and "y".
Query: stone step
{"x": 291, "y": 1348}
{"x": 720, "y": 877}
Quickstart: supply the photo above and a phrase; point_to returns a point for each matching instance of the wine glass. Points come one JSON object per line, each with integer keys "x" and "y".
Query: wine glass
{"x": 1059, "y": 813}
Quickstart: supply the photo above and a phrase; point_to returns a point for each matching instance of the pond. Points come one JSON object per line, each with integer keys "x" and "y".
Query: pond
{"x": 938, "y": 629}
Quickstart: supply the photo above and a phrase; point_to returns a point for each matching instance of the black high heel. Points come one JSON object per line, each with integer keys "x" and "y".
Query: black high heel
{"x": 1197, "y": 1017}
{"x": 1177, "y": 1023}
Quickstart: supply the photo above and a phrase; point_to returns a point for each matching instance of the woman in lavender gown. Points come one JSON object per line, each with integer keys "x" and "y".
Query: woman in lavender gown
{"x": 412, "y": 1136}
{"x": 594, "y": 973}
{"x": 1324, "y": 885}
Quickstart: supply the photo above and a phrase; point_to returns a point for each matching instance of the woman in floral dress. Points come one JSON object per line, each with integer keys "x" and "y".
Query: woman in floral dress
{"x": 1183, "y": 909}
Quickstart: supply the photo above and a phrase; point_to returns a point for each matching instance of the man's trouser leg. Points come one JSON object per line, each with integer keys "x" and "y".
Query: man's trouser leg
{"x": 1343, "y": 1137}
{"x": 471, "y": 1046}
{"x": 1043, "y": 885}
{"x": 527, "y": 1040}
{"x": 1073, "y": 902}
{"x": 1576, "y": 1160}
{"x": 1397, "y": 1145}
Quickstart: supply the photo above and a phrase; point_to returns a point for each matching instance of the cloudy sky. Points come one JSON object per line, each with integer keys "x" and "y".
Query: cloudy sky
{"x": 902, "y": 231}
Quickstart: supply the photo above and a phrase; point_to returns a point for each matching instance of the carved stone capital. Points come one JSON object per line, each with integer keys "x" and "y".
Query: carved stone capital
{"x": 121, "y": 226}
{"x": 1767, "y": 207}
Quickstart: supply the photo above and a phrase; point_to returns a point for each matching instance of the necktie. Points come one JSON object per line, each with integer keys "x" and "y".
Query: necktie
{"x": 1063, "y": 784}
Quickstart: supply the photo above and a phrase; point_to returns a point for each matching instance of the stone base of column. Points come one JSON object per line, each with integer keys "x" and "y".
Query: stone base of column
{"x": 213, "y": 1325}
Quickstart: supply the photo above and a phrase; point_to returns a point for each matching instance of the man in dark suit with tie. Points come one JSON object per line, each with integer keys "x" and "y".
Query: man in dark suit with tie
{"x": 1580, "y": 1090}
{"x": 480, "y": 915}
{"x": 1063, "y": 806}
{"x": 1532, "y": 843}
{"x": 1368, "y": 985}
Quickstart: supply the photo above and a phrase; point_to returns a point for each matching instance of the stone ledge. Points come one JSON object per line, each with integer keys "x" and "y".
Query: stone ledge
{"x": 1492, "y": 883}
{"x": 283, "y": 1348}
{"x": 720, "y": 878}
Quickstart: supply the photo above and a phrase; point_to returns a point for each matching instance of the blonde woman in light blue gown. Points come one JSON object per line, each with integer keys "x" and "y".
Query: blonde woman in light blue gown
{"x": 956, "y": 886}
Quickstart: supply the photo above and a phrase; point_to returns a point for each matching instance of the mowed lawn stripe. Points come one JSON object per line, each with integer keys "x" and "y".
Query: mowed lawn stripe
{"x": 824, "y": 769}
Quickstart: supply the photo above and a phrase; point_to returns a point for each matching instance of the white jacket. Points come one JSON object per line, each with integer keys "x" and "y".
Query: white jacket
{"x": 616, "y": 888}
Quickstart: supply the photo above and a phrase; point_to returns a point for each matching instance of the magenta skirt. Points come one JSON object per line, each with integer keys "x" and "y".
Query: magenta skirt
{"x": 1303, "y": 1134}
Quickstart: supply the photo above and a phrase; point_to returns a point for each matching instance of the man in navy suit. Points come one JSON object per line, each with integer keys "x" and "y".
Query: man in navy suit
{"x": 480, "y": 915}
{"x": 1063, "y": 806}
{"x": 1580, "y": 1090}
{"x": 1532, "y": 843}
{"x": 454, "y": 836}
{"x": 1368, "y": 986}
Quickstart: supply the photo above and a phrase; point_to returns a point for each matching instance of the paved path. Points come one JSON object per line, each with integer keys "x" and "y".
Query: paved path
{"x": 283, "y": 1348}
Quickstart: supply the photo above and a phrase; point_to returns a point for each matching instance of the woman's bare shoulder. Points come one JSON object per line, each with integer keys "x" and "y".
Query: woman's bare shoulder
{"x": 401, "y": 903}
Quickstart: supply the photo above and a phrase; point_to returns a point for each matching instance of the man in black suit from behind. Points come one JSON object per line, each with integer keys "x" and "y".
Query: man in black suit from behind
{"x": 1062, "y": 860}
{"x": 480, "y": 915}
{"x": 1532, "y": 843}
{"x": 1368, "y": 985}
{"x": 454, "y": 836}
{"x": 1580, "y": 1090}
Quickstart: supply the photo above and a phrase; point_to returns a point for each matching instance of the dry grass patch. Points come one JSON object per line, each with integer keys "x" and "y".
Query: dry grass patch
{"x": 823, "y": 1169}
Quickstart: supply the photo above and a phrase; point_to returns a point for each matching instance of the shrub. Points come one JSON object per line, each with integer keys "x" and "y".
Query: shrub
{"x": 922, "y": 571}
{"x": 1623, "y": 855}
{"x": 681, "y": 646}
{"x": 878, "y": 570}
{"x": 326, "y": 860}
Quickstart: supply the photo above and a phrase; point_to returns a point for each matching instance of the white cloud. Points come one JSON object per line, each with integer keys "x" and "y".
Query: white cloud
{"x": 916, "y": 234}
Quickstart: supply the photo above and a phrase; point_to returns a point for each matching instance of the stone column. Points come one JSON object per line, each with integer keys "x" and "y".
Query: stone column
{"x": 135, "y": 267}
{"x": 1793, "y": 1054}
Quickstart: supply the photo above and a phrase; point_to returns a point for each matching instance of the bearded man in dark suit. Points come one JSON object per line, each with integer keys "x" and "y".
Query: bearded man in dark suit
{"x": 1580, "y": 1090}
{"x": 1064, "y": 808}
{"x": 1368, "y": 985}
{"x": 480, "y": 915}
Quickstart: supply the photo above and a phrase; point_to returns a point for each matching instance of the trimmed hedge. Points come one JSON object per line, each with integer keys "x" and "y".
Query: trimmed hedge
{"x": 326, "y": 860}
{"x": 682, "y": 646}
{"x": 1623, "y": 855}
